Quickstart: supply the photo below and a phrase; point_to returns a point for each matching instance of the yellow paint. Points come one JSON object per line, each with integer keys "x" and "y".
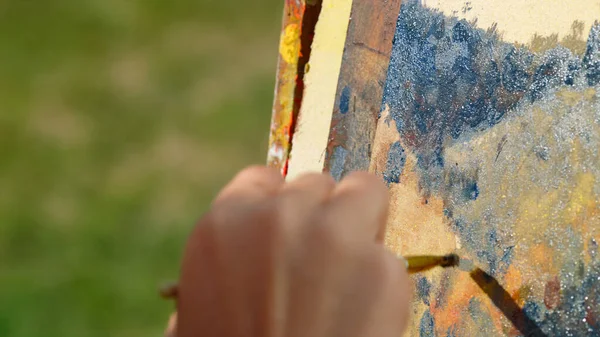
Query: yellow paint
{"x": 285, "y": 100}
{"x": 520, "y": 20}
{"x": 589, "y": 94}
{"x": 411, "y": 220}
{"x": 289, "y": 48}
{"x": 536, "y": 215}
{"x": 514, "y": 279}
{"x": 583, "y": 199}
{"x": 312, "y": 131}
{"x": 572, "y": 98}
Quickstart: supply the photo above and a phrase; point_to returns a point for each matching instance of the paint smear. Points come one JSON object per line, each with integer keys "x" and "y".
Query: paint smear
{"x": 290, "y": 46}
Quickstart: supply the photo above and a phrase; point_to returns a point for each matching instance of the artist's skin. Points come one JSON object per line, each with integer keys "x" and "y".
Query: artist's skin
{"x": 297, "y": 259}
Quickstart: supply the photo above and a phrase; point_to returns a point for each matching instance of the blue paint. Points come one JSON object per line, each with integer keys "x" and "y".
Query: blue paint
{"x": 474, "y": 307}
{"x": 491, "y": 255}
{"x": 461, "y": 227}
{"x": 451, "y": 332}
{"x": 579, "y": 300}
{"x": 423, "y": 289}
{"x": 516, "y": 69}
{"x": 447, "y": 213}
{"x": 345, "y": 100}
{"x": 427, "y": 325}
{"x": 479, "y": 314}
{"x": 447, "y": 78}
{"x": 546, "y": 75}
{"x": 542, "y": 152}
{"x": 439, "y": 157}
{"x": 533, "y": 311}
{"x": 461, "y": 32}
{"x": 395, "y": 164}
{"x": 573, "y": 69}
{"x": 337, "y": 162}
{"x": 591, "y": 60}
{"x": 471, "y": 191}
{"x": 593, "y": 248}
{"x": 464, "y": 66}
{"x": 506, "y": 259}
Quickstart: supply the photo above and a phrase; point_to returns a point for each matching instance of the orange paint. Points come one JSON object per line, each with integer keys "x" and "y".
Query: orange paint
{"x": 514, "y": 279}
{"x": 541, "y": 260}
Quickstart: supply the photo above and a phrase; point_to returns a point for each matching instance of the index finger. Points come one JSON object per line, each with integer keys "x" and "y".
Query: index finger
{"x": 253, "y": 182}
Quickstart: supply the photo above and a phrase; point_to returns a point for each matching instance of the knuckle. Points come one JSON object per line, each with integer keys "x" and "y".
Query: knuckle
{"x": 327, "y": 180}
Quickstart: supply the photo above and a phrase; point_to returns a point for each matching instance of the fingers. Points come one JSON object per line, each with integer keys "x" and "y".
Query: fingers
{"x": 358, "y": 207}
{"x": 252, "y": 183}
{"x": 300, "y": 198}
{"x": 171, "y": 330}
{"x": 375, "y": 294}
{"x": 394, "y": 311}
{"x": 311, "y": 187}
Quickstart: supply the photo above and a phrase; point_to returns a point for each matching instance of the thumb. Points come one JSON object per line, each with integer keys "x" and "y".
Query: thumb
{"x": 171, "y": 330}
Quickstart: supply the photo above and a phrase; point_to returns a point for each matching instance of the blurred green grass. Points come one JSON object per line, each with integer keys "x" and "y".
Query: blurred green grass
{"x": 119, "y": 120}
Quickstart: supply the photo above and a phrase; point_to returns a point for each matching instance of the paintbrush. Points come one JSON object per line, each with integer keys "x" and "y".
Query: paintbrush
{"x": 421, "y": 263}
{"x": 490, "y": 286}
{"x": 414, "y": 264}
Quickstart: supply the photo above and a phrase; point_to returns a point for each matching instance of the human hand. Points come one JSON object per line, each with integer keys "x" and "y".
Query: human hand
{"x": 297, "y": 259}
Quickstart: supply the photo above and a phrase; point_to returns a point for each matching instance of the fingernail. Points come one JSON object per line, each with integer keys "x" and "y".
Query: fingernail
{"x": 402, "y": 259}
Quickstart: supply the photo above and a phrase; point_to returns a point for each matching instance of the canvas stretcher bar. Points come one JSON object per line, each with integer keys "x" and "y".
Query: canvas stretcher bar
{"x": 360, "y": 86}
{"x": 357, "y": 50}
{"x": 299, "y": 19}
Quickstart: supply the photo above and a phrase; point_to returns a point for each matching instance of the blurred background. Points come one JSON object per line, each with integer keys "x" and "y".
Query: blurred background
{"x": 119, "y": 121}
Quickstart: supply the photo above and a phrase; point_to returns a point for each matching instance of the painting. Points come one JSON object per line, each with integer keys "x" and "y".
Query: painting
{"x": 483, "y": 118}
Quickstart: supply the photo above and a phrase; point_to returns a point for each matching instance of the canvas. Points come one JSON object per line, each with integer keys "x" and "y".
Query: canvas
{"x": 483, "y": 118}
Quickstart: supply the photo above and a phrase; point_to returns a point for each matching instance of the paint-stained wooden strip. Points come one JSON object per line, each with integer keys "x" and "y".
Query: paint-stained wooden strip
{"x": 360, "y": 86}
{"x": 299, "y": 20}
{"x": 320, "y": 86}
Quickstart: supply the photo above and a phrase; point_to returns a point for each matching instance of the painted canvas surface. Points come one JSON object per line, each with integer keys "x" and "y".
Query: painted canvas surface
{"x": 485, "y": 124}
{"x": 491, "y": 148}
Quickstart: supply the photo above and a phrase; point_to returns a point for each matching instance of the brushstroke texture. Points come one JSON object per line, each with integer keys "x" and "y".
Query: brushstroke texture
{"x": 507, "y": 141}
